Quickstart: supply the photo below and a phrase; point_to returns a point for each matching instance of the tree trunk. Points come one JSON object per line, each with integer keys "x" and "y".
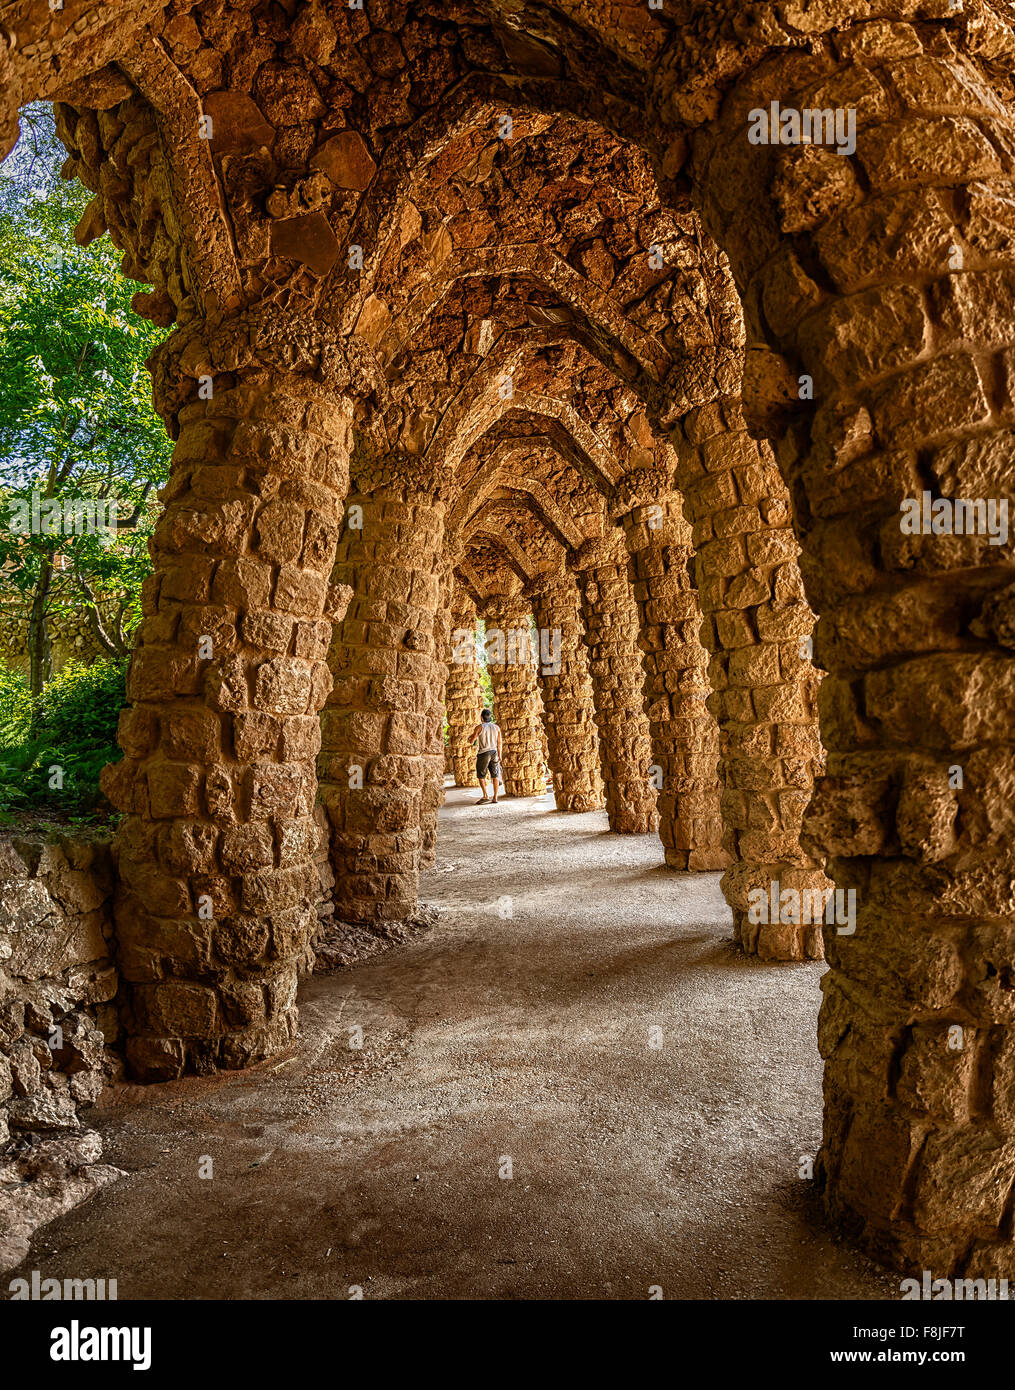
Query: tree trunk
{"x": 38, "y": 634}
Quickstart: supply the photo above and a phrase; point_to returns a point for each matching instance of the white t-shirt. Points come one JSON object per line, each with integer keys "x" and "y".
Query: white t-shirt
{"x": 487, "y": 738}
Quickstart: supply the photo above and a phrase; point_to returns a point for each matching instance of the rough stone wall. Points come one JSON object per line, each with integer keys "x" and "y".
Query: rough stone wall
{"x": 463, "y": 696}
{"x": 325, "y": 882}
{"x": 907, "y": 337}
{"x": 572, "y": 741}
{"x": 217, "y": 883}
{"x": 610, "y": 617}
{"x": 685, "y": 739}
{"x": 58, "y": 1027}
{"x": 376, "y": 729}
{"x": 764, "y": 684}
{"x": 434, "y": 758}
{"x": 516, "y": 702}
{"x": 71, "y": 639}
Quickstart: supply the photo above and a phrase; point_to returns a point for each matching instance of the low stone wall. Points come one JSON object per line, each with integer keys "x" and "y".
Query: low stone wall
{"x": 71, "y": 639}
{"x": 58, "y": 1027}
{"x": 60, "y": 1037}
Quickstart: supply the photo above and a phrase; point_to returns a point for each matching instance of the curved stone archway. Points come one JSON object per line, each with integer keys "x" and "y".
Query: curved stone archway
{"x": 851, "y": 356}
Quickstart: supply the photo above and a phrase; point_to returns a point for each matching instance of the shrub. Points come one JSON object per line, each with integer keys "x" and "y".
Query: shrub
{"x": 81, "y": 705}
{"x": 15, "y": 708}
{"x": 58, "y": 768}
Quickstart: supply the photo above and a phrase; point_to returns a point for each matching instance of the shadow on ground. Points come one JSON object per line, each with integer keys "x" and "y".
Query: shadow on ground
{"x": 578, "y": 1017}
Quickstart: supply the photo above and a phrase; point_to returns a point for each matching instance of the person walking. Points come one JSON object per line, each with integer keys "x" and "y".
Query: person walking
{"x": 486, "y": 737}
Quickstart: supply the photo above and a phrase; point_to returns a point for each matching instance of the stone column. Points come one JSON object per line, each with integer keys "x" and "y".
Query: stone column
{"x": 463, "y": 694}
{"x": 884, "y": 279}
{"x": 756, "y": 621}
{"x": 685, "y": 738}
{"x": 376, "y": 729}
{"x": 217, "y": 885}
{"x": 566, "y": 688}
{"x": 757, "y": 626}
{"x": 610, "y": 617}
{"x": 434, "y": 758}
{"x": 516, "y": 703}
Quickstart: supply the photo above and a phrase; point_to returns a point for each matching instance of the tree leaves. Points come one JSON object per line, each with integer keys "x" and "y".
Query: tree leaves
{"x": 76, "y": 416}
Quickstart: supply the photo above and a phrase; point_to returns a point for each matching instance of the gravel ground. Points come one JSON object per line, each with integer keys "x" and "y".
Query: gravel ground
{"x": 579, "y": 1019}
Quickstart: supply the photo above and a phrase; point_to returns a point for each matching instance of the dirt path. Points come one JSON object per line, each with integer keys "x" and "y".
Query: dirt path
{"x": 521, "y": 1029}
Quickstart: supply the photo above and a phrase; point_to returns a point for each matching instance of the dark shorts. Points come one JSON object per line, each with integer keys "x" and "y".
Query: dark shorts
{"x": 487, "y": 764}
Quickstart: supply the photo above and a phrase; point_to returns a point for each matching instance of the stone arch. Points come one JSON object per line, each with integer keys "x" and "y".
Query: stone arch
{"x": 464, "y": 110}
{"x": 762, "y": 821}
{"x": 544, "y": 267}
{"x": 299, "y": 288}
{"x": 470, "y": 580}
{"x": 546, "y": 406}
{"x": 596, "y": 458}
{"x": 586, "y": 669}
{"x": 490, "y": 477}
{"x": 516, "y": 557}
{"x": 910, "y": 233}
{"x": 279, "y": 238}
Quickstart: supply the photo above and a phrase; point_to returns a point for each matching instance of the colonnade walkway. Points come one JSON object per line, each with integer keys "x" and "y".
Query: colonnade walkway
{"x": 579, "y": 1019}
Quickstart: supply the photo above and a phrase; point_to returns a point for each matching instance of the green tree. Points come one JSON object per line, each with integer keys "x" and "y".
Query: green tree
{"x": 78, "y": 432}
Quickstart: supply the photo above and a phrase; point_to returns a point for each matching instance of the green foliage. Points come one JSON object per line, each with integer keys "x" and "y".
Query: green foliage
{"x": 83, "y": 702}
{"x": 28, "y": 779}
{"x": 484, "y": 670}
{"x": 76, "y": 425}
{"x": 59, "y": 770}
{"x": 76, "y": 416}
{"x": 15, "y": 709}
